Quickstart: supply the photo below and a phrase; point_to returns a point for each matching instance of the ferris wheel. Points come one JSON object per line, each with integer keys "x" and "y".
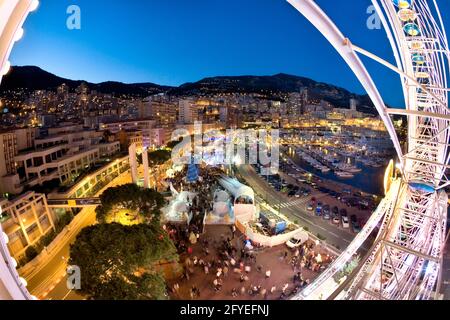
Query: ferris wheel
{"x": 405, "y": 260}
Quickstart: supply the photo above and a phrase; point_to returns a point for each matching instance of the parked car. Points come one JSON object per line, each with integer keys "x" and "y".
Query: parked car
{"x": 335, "y": 210}
{"x": 297, "y": 240}
{"x": 343, "y": 212}
{"x": 310, "y": 207}
{"x": 345, "y": 222}
{"x": 318, "y": 211}
{"x": 355, "y": 224}
{"x": 336, "y": 219}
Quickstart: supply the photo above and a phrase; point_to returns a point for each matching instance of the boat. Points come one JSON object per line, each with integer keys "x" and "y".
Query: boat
{"x": 377, "y": 165}
{"x": 353, "y": 170}
{"x": 349, "y": 168}
{"x": 344, "y": 175}
{"x": 325, "y": 170}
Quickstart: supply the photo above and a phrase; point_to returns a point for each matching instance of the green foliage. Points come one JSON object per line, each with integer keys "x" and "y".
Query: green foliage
{"x": 172, "y": 144}
{"x": 119, "y": 262}
{"x": 321, "y": 237}
{"x": 31, "y": 253}
{"x": 348, "y": 269}
{"x": 147, "y": 202}
{"x": 157, "y": 157}
{"x": 63, "y": 221}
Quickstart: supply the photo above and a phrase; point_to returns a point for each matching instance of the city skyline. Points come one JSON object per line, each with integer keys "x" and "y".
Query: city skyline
{"x": 108, "y": 47}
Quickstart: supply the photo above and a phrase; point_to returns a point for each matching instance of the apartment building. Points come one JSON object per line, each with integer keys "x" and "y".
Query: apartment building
{"x": 57, "y": 162}
{"x": 160, "y": 109}
{"x": 140, "y": 124}
{"x": 188, "y": 111}
{"x": 25, "y": 220}
{"x": 8, "y": 151}
{"x": 142, "y": 132}
{"x": 127, "y": 137}
{"x": 68, "y": 150}
{"x": 25, "y": 138}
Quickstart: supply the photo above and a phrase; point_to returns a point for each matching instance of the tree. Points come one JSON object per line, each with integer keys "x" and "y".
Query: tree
{"x": 157, "y": 157}
{"x": 174, "y": 143}
{"x": 121, "y": 262}
{"x": 31, "y": 253}
{"x": 141, "y": 205}
{"x": 347, "y": 269}
{"x": 106, "y": 136}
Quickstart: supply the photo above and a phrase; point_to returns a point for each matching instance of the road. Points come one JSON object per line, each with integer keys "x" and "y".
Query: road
{"x": 49, "y": 282}
{"x": 296, "y": 210}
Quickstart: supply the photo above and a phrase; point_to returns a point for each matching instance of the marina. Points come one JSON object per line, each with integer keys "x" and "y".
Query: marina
{"x": 357, "y": 174}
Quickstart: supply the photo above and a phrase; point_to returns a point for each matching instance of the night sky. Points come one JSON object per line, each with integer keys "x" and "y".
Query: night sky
{"x": 176, "y": 41}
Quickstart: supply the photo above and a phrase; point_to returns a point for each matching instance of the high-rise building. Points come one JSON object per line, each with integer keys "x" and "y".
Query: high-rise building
{"x": 161, "y": 110}
{"x": 353, "y": 104}
{"x": 144, "y": 109}
{"x": 8, "y": 151}
{"x": 188, "y": 111}
{"x": 303, "y": 100}
{"x": 25, "y": 138}
{"x": 63, "y": 91}
{"x": 231, "y": 116}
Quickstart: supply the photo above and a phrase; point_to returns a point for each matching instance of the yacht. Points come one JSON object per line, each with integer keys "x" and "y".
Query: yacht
{"x": 353, "y": 169}
{"x": 325, "y": 169}
{"x": 344, "y": 175}
{"x": 347, "y": 168}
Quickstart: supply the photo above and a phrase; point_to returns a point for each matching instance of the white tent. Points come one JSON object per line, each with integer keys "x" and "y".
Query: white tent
{"x": 221, "y": 196}
{"x": 221, "y": 209}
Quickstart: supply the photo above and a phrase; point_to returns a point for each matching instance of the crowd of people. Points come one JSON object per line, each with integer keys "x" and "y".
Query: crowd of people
{"x": 306, "y": 257}
{"x": 224, "y": 261}
{"x": 228, "y": 262}
{"x": 201, "y": 203}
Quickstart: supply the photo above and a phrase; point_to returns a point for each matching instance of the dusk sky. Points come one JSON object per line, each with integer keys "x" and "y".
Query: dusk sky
{"x": 171, "y": 42}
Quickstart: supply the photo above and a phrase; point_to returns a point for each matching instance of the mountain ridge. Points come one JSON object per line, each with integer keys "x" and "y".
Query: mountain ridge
{"x": 34, "y": 78}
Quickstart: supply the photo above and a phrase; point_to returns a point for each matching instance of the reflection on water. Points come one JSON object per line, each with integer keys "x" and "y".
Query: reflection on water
{"x": 369, "y": 180}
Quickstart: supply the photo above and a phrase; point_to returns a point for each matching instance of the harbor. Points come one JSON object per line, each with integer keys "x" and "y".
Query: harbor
{"x": 354, "y": 173}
